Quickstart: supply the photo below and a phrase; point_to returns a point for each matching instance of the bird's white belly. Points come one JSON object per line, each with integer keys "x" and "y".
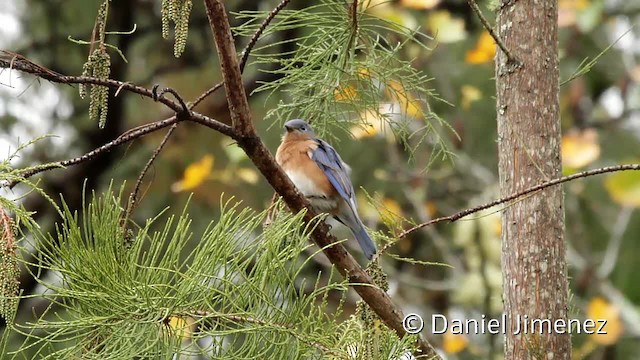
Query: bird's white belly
{"x": 319, "y": 201}
{"x": 306, "y": 186}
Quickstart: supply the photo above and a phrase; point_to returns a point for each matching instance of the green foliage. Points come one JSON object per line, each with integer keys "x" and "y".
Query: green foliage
{"x": 345, "y": 63}
{"x": 176, "y": 11}
{"x": 231, "y": 293}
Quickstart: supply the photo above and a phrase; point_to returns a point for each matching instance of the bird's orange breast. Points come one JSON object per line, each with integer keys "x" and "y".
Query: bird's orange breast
{"x": 294, "y": 156}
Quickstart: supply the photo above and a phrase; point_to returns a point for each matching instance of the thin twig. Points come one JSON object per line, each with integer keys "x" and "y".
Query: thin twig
{"x": 20, "y": 63}
{"x": 184, "y": 112}
{"x": 247, "y": 49}
{"x": 133, "y": 197}
{"x": 205, "y": 94}
{"x": 510, "y": 58}
{"x": 461, "y": 214}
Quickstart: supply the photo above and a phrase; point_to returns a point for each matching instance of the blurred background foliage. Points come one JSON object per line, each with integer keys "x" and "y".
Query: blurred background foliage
{"x": 600, "y": 112}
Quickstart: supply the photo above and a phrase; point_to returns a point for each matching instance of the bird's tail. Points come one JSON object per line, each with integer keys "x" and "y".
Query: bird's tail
{"x": 364, "y": 240}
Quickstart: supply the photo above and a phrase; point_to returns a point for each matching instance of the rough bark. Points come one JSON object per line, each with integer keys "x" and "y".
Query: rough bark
{"x": 533, "y": 249}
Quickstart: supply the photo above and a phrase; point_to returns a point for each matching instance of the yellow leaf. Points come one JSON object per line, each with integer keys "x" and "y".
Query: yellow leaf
{"x": 624, "y": 188}
{"x": 345, "y": 93}
{"x": 408, "y": 104}
{"x": 182, "y": 326}
{"x": 384, "y": 10}
{"x": 568, "y": 9}
{"x": 470, "y": 94}
{"x": 248, "y": 175}
{"x": 372, "y": 4}
{"x": 446, "y": 28}
{"x": 363, "y": 72}
{"x": 430, "y": 208}
{"x": 484, "y": 51}
{"x": 390, "y": 211}
{"x": 454, "y": 343}
{"x": 372, "y": 124}
{"x": 580, "y": 148}
{"x": 194, "y": 174}
{"x": 600, "y": 309}
{"x": 420, "y": 4}
{"x": 635, "y": 73}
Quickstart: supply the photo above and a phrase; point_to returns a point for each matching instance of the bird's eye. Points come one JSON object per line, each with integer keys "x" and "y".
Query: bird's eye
{"x": 303, "y": 128}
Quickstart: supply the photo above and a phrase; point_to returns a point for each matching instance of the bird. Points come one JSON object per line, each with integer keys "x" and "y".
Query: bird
{"x": 317, "y": 170}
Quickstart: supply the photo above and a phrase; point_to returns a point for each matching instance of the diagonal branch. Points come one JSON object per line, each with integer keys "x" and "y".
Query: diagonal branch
{"x": 255, "y": 149}
{"x": 531, "y": 190}
{"x": 510, "y": 58}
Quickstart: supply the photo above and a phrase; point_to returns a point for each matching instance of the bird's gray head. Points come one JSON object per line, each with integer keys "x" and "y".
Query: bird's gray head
{"x": 298, "y": 125}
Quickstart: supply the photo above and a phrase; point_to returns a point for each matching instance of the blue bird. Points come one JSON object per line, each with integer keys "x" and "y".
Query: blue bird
{"x": 317, "y": 170}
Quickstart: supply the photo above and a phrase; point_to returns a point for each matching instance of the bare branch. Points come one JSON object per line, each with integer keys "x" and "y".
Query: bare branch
{"x": 564, "y": 179}
{"x": 206, "y": 94}
{"x": 14, "y": 61}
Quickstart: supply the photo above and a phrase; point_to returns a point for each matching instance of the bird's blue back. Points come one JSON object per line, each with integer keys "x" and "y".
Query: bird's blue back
{"x": 333, "y": 167}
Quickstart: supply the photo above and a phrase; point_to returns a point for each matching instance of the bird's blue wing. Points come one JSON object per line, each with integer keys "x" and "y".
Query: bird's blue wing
{"x": 334, "y": 168}
{"x": 338, "y": 174}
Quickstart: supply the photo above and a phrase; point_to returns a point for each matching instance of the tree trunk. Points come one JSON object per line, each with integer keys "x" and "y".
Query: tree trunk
{"x": 533, "y": 251}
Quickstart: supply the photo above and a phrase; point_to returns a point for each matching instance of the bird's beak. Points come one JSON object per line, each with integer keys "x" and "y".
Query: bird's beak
{"x": 288, "y": 128}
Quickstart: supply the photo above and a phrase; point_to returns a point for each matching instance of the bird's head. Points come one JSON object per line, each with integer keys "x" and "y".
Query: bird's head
{"x": 298, "y": 127}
